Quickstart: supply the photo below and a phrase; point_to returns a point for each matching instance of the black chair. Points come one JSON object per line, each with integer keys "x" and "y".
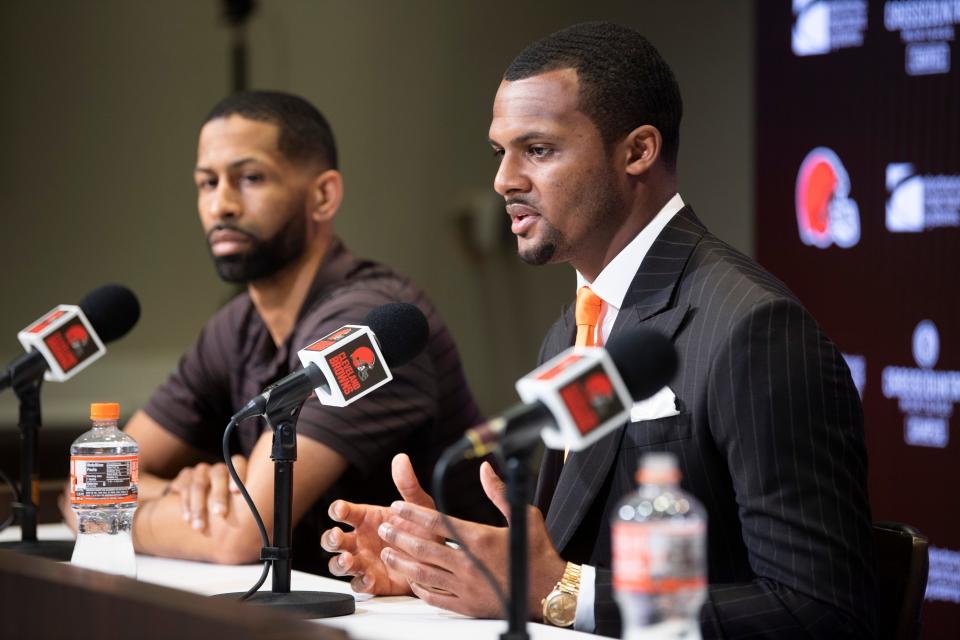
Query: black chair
{"x": 902, "y": 565}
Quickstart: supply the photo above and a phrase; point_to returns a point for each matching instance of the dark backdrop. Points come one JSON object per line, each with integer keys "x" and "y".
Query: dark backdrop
{"x": 872, "y": 90}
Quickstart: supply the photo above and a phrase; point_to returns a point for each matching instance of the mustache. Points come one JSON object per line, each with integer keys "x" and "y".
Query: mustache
{"x": 519, "y": 200}
{"x": 220, "y": 226}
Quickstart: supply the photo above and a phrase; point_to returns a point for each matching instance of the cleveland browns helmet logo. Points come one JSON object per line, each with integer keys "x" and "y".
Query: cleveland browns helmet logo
{"x": 78, "y": 338}
{"x": 363, "y": 361}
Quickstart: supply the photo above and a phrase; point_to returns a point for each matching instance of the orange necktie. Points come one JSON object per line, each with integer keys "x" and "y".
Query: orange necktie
{"x": 587, "y": 313}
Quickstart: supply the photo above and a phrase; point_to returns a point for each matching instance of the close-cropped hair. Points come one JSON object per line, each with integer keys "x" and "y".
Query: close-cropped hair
{"x": 304, "y": 134}
{"x": 624, "y": 81}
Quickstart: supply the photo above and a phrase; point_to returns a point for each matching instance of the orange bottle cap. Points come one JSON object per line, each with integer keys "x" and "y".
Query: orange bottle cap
{"x": 659, "y": 476}
{"x": 658, "y": 468}
{"x": 104, "y": 411}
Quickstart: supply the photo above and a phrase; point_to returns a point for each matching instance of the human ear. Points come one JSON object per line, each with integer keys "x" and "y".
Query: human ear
{"x": 327, "y": 194}
{"x": 642, "y": 147}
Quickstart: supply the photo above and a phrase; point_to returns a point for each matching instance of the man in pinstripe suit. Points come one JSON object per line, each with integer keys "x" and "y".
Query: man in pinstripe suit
{"x": 767, "y": 427}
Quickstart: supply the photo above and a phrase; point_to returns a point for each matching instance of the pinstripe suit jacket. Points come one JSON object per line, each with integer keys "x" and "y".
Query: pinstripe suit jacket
{"x": 769, "y": 438}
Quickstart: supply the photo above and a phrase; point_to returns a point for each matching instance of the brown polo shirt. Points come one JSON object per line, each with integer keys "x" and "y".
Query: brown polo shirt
{"x": 426, "y": 407}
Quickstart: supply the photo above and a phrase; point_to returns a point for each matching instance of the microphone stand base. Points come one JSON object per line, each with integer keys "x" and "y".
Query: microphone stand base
{"x": 305, "y": 604}
{"x": 61, "y": 550}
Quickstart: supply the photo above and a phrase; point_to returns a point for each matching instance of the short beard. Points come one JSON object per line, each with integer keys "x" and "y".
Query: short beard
{"x": 554, "y": 246}
{"x": 542, "y": 253}
{"x": 265, "y": 257}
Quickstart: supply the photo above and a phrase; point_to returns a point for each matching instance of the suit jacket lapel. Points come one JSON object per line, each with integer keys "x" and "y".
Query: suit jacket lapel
{"x": 647, "y": 305}
{"x": 655, "y": 285}
{"x": 561, "y": 337}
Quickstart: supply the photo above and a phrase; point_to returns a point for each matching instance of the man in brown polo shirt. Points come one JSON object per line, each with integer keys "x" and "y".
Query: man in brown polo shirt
{"x": 268, "y": 189}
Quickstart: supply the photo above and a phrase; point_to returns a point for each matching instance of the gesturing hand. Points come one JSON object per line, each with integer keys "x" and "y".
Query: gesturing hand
{"x": 443, "y": 576}
{"x": 359, "y": 550}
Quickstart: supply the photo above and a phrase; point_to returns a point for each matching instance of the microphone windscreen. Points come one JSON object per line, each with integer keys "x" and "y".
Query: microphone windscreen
{"x": 646, "y": 360}
{"x": 401, "y": 330}
{"x": 112, "y": 311}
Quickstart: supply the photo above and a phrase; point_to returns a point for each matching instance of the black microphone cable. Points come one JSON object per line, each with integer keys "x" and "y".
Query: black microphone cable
{"x": 14, "y": 505}
{"x": 246, "y": 496}
{"x": 401, "y": 331}
{"x": 439, "y": 475}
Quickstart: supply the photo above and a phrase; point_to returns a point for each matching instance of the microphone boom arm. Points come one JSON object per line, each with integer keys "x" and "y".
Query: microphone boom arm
{"x": 284, "y": 395}
{"x": 25, "y": 369}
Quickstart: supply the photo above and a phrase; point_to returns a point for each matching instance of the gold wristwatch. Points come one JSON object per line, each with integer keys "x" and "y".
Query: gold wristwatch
{"x": 560, "y": 605}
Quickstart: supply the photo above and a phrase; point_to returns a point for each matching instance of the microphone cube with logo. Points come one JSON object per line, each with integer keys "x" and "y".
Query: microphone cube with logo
{"x": 65, "y": 339}
{"x": 351, "y": 360}
{"x": 585, "y": 393}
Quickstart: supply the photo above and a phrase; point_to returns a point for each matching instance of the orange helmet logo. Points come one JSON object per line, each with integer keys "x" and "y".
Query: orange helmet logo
{"x": 78, "y": 337}
{"x": 363, "y": 361}
{"x": 599, "y": 390}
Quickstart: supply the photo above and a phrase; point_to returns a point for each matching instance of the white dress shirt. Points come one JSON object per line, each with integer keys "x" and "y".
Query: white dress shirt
{"x": 614, "y": 281}
{"x": 612, "y": 285}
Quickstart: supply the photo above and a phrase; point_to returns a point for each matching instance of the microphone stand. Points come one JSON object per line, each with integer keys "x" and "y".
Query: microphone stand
{"x": 517, "y": 474}
{"x": 310, "y": 604}
{"x": 28, "y": 392}
{"x": 516, "y": 447}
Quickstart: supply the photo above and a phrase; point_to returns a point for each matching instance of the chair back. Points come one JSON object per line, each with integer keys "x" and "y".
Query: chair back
{"x": 902, "y": 565}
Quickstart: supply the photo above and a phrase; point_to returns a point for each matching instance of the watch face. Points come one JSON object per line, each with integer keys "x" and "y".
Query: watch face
{"x": 561, "y": 609}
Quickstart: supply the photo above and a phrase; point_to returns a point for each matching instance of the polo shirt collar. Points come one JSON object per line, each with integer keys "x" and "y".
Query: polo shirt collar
{"x": 337, "y": 264}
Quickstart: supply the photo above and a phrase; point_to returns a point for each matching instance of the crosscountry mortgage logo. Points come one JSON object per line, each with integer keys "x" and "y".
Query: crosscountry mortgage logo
{"x": 822, "y": 26}
{"x": 942, "y": 583}
{"x": 925, "y": 395}
{"x": 920, "y": 202}
{"x": 926, "y": 28}
{"x": 825, "y": 213}
{"x": 926, "y": 344}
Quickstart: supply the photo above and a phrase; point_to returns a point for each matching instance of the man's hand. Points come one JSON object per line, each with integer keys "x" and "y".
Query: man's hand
{"x": 69, "y": 515}
{"x": 206, "y": 488}
{"x": 161, "y": 529}
{"x": 443, "y": 576}
{"x": 359, "y": 550}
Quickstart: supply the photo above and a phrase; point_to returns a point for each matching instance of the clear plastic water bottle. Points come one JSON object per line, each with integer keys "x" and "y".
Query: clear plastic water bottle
{"x": 104, "y": 470}
{"x": 659, "y": 555}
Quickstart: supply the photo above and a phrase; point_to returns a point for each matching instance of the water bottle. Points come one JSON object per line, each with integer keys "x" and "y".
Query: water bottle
{"x": 104, "y": 466}
{"x": 659, "y": 555}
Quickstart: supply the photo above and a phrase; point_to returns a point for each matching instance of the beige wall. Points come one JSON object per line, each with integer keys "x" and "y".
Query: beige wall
{"x": 101, "y": 102}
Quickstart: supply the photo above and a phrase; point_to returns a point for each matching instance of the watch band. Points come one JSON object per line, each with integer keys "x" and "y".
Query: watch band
{"x": 570, "y": 581}
{"x": 560, "y": 605}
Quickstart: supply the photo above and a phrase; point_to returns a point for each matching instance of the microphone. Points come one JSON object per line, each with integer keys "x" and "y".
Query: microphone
{"x": 70, "y": 338}
{"x": 348, "y": 363}
{"x": 578, "y": 396}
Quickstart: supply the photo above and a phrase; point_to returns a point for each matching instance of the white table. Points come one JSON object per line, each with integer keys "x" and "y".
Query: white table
{"x": 379, "y": 618}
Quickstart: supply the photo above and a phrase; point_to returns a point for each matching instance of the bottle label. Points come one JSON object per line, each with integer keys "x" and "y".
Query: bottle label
{"x": 659, "y": 557}
{"x": 104, "y": 479}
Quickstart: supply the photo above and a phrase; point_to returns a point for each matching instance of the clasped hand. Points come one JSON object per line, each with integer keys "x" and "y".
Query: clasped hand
{"x": 401, "y": 549}
{"x": 203, "y": 490}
